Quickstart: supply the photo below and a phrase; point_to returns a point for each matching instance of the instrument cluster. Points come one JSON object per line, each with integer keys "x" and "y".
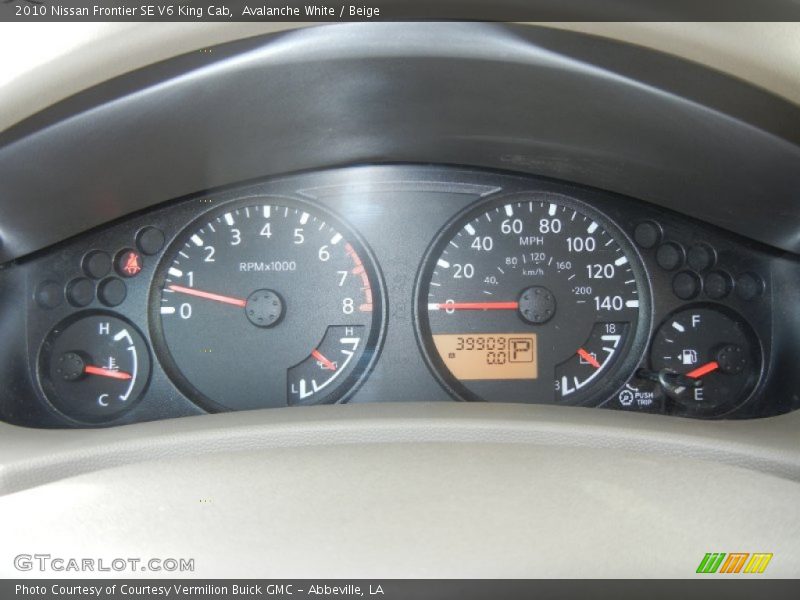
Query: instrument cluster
{"x": 396, "y": 283}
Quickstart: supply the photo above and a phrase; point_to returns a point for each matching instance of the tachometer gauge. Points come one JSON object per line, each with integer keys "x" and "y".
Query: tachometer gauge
{"x": 532, "y": 298}
{"x": 267, "y": 303}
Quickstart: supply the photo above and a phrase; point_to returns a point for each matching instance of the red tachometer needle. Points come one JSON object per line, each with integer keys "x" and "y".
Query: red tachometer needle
{"x": 208, "y": 295}
{"x": 325, "y": 362}
{"x": 90, "y": 370}
{"x": 703, "y": 370}
{"x": 588, "y": 358}
{"x": 474, "y": 306}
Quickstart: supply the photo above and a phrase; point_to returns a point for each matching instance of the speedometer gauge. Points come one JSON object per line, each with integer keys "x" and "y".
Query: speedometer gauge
{"x": 267, "y": 302}
{"x": 532, "y": 298}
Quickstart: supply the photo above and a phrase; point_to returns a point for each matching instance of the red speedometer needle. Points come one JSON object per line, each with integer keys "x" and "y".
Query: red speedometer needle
{"x": 474, "y": 306}
{"x": 588, "y": 358}
{"x": 703, "y": 370}
{"x": 325, "y": 362}
{"x": 208, "y": 295}
{"x": 91, "y": 370}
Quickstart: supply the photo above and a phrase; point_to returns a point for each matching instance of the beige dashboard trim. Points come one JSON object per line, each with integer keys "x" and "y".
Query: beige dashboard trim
{"x": 33, "y": 457}
{"x": 408, "y": 490}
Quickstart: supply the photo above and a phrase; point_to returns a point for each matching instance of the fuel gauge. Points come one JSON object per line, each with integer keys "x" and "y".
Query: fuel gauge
{"x": 591, "y": 359}
{"x": 94, "y": 367}
{"x": 707, "y": 359}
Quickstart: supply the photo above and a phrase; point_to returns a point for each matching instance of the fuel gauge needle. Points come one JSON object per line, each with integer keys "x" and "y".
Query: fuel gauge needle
{"x": 208, "y": 295}
{"x": 702, "y": 370}
{"x": 92, "y": 370}
{"x": 588, "y": 358}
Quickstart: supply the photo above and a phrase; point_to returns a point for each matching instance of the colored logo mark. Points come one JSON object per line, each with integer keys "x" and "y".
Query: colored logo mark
{"x": 734, "y": 562}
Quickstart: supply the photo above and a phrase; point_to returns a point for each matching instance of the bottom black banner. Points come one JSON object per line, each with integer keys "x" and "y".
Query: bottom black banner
{"x": 391, "y": 589}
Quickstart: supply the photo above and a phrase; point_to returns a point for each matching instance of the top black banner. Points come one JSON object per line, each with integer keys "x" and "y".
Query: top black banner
{"x": 399, "y": 10}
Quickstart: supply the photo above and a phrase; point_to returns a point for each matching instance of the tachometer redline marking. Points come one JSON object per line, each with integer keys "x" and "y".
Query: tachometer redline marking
{"x": 208, "y": 295}
{"x": 359, "y": 270}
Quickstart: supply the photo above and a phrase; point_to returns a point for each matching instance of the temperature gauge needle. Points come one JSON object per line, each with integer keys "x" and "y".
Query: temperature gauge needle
{"x": 325, "y": 362}
{"x": 208, "y": 295}
{"x": 703, "y": 370}
{"x": 91, "y": 370}
{"x": 588, "y": 358}
{"x": 474, "y": 306}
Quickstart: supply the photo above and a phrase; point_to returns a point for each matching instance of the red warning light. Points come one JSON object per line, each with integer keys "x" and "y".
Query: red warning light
{"x": 129, "y": 263}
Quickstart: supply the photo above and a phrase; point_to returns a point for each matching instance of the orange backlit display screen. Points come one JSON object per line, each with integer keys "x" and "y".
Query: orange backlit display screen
{"x": 474, "y": 356}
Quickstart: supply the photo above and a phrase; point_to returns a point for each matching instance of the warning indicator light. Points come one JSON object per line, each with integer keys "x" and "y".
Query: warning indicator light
{"x": 128, "y": 263}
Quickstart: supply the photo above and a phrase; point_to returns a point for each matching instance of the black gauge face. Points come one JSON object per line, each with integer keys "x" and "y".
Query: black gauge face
{"x": 267, "y": 302}
{"x": 94, "y": 367}
{"x": 532, "y": 298}
{"x": 718, "y": 354}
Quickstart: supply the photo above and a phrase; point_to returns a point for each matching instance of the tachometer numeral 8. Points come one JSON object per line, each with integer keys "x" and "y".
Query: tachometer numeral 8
{"x": 348, "y": 306}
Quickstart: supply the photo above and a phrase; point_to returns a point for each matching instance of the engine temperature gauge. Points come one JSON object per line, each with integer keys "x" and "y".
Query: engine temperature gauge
{"x": 310, "y": 380}
{"x": 94, "y": 367}
{"x": 708, "y": 358}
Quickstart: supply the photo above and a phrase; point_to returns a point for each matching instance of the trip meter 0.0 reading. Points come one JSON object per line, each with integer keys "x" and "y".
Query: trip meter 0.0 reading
{"x": 267, "y": 303}
{"x": 541, "y": 269}
{"x": 488, "y": 356}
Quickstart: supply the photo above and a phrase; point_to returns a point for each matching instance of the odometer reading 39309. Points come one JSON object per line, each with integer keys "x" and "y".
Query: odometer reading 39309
{"x": 267, "y": 303}
{"x": 532, "y": 298}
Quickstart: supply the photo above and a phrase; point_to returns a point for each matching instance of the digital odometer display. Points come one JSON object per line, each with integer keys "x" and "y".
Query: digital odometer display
{"x": 488, "y": 356}
{"x": 267, "y": 303}
{"x": 551, "y": 284}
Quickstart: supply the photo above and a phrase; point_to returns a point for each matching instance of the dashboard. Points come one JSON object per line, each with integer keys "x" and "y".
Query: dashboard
{"x": 397, "y": 283}
{"x": 445, "y": 298}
